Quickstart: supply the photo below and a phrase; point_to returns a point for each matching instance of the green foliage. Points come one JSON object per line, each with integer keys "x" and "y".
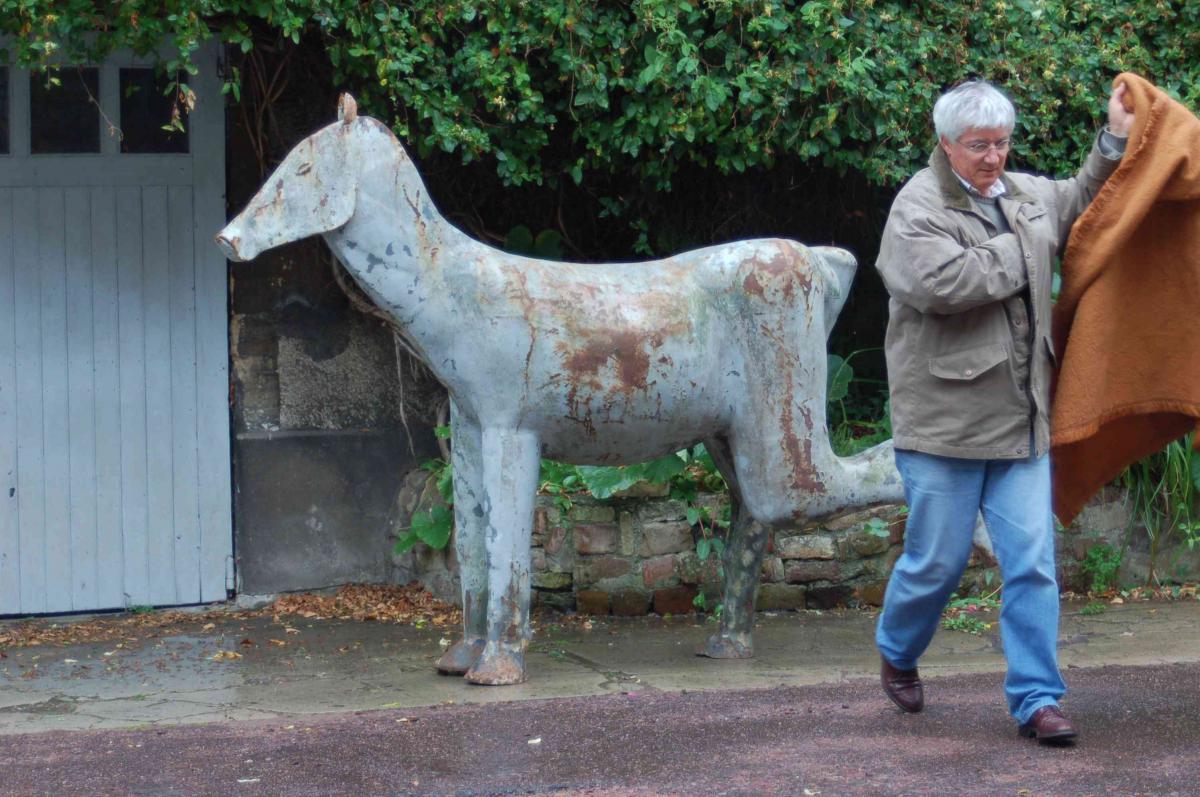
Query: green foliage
{"x": 1092, "y": 609}
{"x": 966, "y": 614}
{"x": 1102, "y": 562}
{"x": 1165, "y": 491}
{"x": 547, "y": 244}
{"x": 859, "y": 415}
{"x": 556, "y": 91}
{"x": 432, "y": 528}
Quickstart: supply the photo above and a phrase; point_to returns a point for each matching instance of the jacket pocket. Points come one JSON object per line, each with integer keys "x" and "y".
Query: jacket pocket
{"x": 969, "y": 364}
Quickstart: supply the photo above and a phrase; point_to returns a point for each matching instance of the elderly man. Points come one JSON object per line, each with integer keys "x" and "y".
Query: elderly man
{"x": 967, "y": 256}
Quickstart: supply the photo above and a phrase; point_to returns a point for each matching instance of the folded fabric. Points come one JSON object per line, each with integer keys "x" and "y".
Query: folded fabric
{"x": 1125, "y": 325}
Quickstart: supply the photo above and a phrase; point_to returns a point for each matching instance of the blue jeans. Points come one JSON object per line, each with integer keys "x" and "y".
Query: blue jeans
{"x": 944, "y": 495}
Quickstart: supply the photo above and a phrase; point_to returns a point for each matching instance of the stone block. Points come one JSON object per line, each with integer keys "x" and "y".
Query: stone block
{"x": 1102, "y": 518}
{"x": 559, "y": 601}
{"x": 872, "y": 594}
{"x": 688, "y": 566}
{"x": 802, "y": 571}
{"x": 806, "y": 546}
{"x": 773, "y": 570}
{"x": 660, "y": 571}
{"x": 590, "y": 569}
{"x": 556, "y": 538}
{"x": 780, "y": 597}
{"x": 630, "y": 602}
{"x": 592, "y": 601}
{"x": 594, "y": 538}
{"x": 672, "y": 536}
{"x": 675, "y": 600}
{"x": 540, "y": 526}
{"x": 652, "y": 511}
{"x": 631, "y": 533}
{"x": 830, "y": 597}
{"x": 537, "y": 560}
{"x": 583, "y": 512}
{"x": 644, "y": 490}
{"x": 546, "y": 580}
{"x": 852, "y": 519}
{"x": 864, "y": 543}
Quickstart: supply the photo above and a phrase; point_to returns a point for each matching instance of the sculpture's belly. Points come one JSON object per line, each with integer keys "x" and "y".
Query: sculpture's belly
{"x": 611, "y": 431}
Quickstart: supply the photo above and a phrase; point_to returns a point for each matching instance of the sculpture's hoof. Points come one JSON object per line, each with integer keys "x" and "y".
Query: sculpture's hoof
{"x": 720, "y": 646}
{"x": 461, "y": 657}
{"x": 498, "y": 668}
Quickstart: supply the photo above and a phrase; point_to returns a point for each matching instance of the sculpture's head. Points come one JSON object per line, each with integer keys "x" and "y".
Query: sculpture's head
{"x": 313, "y": 191}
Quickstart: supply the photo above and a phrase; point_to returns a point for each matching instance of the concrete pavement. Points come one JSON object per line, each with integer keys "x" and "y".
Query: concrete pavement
{"x": 334, "y": 665}
{"x": 635, "y": 683}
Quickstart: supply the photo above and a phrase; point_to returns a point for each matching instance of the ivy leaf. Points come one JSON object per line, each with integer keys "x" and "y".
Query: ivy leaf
{"x": 445, "y": 483}
{"x": 433, "y": 528}
{"x": 660, "y": 471}
{"x": 878, "y": 527}
{"x": 405, "y": 543}
{"x": 839, "y": 375}
{"x": 704, "y": 548}
{"x": 604, "y": 480}
{"x": 519, "y": 240}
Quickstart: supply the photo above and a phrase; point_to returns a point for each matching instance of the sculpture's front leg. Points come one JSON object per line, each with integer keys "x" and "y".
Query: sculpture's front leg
{"x": 743, "y": 567}
{"x": 511, "y": 459}
{"x": 469, "y": 543}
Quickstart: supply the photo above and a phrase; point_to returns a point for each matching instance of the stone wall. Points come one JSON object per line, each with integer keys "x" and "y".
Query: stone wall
{"x": 636, "y": 555}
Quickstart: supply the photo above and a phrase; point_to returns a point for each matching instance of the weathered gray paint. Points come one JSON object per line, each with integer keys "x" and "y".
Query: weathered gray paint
{"x": 113, "y": 370}
{"x": 608, "y": 363}
{"x": 10, "y": 581}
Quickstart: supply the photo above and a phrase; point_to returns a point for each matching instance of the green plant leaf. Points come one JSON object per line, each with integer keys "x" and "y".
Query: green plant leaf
{"x": 839, "y": 375}
{"x": 604, "y": 480}
{"x": 433, "y": 528}
{"x": 660, "y": 471}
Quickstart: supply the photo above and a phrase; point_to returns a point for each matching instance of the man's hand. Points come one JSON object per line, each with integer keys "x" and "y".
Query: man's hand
{"x": 1119, "y": 120}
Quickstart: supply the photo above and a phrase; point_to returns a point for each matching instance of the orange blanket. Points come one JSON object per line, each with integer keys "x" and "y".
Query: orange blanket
{"x": 1126, "y": 325}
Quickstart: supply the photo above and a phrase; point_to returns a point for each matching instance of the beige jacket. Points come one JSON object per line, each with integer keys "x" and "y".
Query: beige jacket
{"x": 968, "y": 368}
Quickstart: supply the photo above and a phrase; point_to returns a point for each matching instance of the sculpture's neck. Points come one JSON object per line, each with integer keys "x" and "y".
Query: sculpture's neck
{"x": 393, "y": 237}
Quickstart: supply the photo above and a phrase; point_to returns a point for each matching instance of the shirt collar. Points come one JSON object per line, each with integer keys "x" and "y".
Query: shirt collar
{"x": 994, "y": 191}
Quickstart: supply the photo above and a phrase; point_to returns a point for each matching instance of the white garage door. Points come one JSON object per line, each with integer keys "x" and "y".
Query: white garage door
{"x": 114, "y": 421}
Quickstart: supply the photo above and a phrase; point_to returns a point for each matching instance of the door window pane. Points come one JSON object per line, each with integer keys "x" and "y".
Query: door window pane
{"x": 3, "y": 110}
{"x": 63, "y": 113}
{"x": 147, "y": 114}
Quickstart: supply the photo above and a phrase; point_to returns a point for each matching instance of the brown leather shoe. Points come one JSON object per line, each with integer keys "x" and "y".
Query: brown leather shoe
{"x": 1049, "y": 726}
{"x": 903, "y": 687}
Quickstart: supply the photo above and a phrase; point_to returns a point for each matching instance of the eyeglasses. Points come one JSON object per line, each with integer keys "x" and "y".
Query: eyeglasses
{"x": 981, "y": 147}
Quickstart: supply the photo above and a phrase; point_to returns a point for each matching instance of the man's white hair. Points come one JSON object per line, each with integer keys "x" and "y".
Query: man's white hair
{"x": 975, "y": 103}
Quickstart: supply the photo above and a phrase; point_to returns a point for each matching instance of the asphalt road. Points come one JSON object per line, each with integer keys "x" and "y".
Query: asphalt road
{"x": 1140, "y": 736}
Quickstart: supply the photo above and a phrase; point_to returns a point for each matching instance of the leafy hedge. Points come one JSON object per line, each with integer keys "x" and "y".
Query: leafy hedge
{"x": 551, "y": 91}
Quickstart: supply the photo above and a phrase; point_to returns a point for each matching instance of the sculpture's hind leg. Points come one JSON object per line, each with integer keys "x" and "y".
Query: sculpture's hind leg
{"x": 469, "y": 544}
{"x": 743, "y": 567}
{"x": 511, "y": 459}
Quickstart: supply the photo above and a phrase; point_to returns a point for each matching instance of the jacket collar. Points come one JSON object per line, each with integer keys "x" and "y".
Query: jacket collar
{"x": 953, "y": 193}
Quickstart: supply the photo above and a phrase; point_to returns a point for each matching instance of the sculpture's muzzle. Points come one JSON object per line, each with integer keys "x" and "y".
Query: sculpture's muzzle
{"x": 232, "y": 246}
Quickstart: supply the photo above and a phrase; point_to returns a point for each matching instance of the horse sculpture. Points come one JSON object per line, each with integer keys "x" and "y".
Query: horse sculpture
{"x": 590, "y": 364}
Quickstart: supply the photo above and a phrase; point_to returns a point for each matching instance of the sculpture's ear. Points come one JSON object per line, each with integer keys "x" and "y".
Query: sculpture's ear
{"x": 347, "y": 109}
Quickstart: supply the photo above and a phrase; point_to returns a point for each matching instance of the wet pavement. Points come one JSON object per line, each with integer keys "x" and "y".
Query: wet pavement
{"x": 621, "y": 708}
